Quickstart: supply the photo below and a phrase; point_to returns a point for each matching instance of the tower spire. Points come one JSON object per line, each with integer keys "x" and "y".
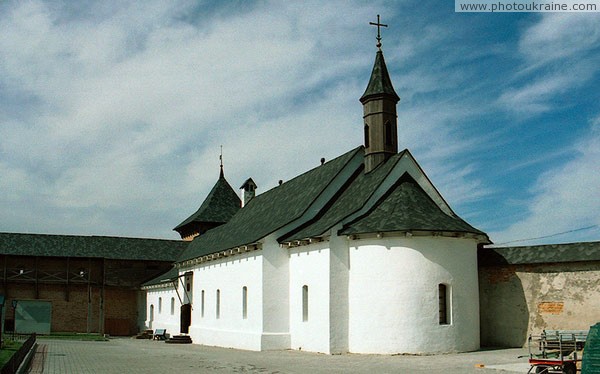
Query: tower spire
{"x": 379, "y": 111}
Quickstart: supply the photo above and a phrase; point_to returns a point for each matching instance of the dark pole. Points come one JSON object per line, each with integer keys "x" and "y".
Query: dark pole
{"x": 14, "y": 305}
{"x": 1, "y": 327}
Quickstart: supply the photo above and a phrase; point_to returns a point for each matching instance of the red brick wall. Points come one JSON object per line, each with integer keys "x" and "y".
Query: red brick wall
{"x": 74, "y": 307}
{"x": 121, "y": 311}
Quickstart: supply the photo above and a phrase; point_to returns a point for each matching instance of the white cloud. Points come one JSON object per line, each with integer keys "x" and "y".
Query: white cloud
{"x": 565, "y": 198}
{"x": 131, "y": 101}
{"x": 538, "y": 97}
{"x": 560, "y": 35}
{"x": 119, "y": 110}
{"x": 559, "y": 54}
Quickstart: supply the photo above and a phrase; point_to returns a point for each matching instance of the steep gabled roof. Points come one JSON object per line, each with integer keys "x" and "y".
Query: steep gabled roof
{"x": 219, "y": 206}
{"x": 380, "y": 202}
{"x": 407, "y": 207}
{"x": 90, "y": 247}
{"x": 350, "y": 200}
{"x": 278, "y": 207}
{"x": 396, "y": 196}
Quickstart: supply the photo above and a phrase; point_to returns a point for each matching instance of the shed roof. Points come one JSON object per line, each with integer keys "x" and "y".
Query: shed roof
{"x": 165, "y": 278}
{"x": 539, "y": 254}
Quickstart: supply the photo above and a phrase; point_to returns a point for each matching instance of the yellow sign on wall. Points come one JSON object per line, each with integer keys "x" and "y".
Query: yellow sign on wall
{"x": 551, "y": 307}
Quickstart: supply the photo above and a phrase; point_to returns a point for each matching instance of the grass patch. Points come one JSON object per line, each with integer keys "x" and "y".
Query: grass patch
{"x": 74, "y": 336}
{"x": 9, "y": 349}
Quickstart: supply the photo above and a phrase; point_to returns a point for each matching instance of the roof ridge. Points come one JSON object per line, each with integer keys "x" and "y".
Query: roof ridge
{"x": 86, "y": 236}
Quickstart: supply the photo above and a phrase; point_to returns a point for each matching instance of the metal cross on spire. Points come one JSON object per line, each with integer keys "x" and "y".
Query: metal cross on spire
{"x": 378, "y": 24}
{"x": 221, "y": 160}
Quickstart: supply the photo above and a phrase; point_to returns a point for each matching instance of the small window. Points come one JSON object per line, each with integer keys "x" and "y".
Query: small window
{"x": 218, "y": 306}
{"x": 304, "y": 303}
{"x": 388, "y": 133}
{"x": 202, "y": 304}
{"x": 159, "y": 305}
{"x": 366, "y": 136}
{"x": 244, "y": 302}
{"x": 444, "y": 304}
{"x": 172, "y": 306}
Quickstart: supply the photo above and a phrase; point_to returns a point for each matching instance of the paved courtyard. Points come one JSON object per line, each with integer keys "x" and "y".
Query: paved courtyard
{"x": 147, "y": 356}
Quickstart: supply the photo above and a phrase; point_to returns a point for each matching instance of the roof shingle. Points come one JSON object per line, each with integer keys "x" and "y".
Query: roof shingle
{"x": 270, "y": 210}
{"x": 90, "y": 247}
{"x": 407, "y": 207}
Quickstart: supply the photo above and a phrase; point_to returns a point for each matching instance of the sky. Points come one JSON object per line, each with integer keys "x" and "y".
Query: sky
{"x": 113, "y": 113}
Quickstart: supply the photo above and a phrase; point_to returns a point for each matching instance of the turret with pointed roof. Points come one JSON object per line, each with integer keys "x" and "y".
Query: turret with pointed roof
{"x": 380, "y": 119}
{"x": 220, "y": 205}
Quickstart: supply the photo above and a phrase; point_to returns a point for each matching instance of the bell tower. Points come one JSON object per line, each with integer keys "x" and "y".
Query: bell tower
{"x": 379, "y": 112}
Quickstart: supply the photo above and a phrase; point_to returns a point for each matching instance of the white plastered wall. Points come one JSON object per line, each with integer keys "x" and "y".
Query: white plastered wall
{"x": 228, "y": 275}
{"x": 309, "y": 266}
{"x": 275, "y": 303}
{"x": 393, "y": 295}
{"x": 164, "y": 317}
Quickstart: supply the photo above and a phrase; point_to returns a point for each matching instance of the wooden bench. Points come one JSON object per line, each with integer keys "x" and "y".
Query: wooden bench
{"x": 160, "y": 334}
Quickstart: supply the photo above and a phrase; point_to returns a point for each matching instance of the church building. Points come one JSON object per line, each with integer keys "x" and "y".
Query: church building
{"x": 360, "y": 254}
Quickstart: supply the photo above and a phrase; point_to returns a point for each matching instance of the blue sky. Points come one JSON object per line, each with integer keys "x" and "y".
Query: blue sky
{"x": 112, "y": 113}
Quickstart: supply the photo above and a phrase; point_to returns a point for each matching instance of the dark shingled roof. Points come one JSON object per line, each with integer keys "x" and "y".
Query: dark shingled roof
{"x": 167, "y": 277}
{"x": 407, "y": 207}
{"x": 380, "y": 82}
{"x": 270, "y": 210}
{"x": 540, "y": 254}
{"x": 350, "y": 200}
{"x": 90, "y": 246}
{"x": 220, "y": 205}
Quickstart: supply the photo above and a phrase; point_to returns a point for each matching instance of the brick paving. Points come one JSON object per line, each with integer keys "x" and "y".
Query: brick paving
{"x": 147, "y": 356}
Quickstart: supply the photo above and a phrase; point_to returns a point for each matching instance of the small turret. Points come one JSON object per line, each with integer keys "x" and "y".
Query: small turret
{"x": 248, "y": 191}
{"x": 379, "y": 112}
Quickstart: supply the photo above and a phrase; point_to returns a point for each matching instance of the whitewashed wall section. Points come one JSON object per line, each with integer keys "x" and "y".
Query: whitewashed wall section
{"x": 393, "y": 295}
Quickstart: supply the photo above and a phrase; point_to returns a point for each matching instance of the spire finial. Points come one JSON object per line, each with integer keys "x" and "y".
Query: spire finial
{"x": 378, "y": 24}
{"x": 221, "y": 161}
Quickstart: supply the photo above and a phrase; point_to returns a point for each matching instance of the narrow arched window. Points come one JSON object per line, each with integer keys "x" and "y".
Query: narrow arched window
{"x": 244, "y": 302}
{"x": 202, "y": 304}
{"x": 159, "y": 305}
{"x": 304, "y": 303}
{"x": 387, "y": 128}
{"x": 172, "y": 306}
{"x": 218, "y": 308}
{"x": 444, "y": 304}
{"x": 366, "y": 136}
